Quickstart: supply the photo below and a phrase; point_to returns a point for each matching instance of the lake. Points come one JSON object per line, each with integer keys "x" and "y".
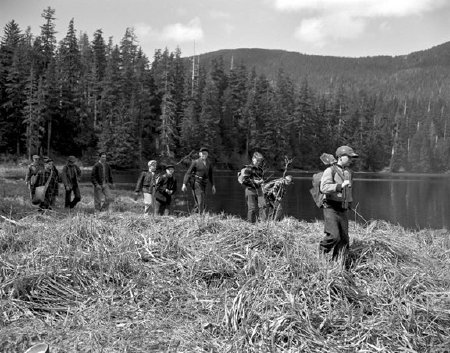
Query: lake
{"x": 413, "y": 201}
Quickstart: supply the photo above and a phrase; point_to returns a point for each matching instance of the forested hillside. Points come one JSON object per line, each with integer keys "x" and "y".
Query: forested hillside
{"x": 82, "y": 95}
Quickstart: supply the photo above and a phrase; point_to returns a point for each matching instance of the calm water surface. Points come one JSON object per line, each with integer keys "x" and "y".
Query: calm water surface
{"x": 413, "y": 201}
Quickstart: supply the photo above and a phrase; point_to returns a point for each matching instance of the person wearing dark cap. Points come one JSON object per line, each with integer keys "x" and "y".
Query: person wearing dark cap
{"x": 336, "y": 185}
{"x": 31, "y": 176}
{"x": 198, "y": 174}
{"x": 101, "y": 178}
{"x": 252, "y": 177}
{"x": 166, "y": 186}
{"x": 146, "y": 183}
{"x": 70, "y": 177}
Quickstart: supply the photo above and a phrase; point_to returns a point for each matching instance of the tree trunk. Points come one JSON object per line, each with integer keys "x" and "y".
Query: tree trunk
{"x": 49, "y": 136}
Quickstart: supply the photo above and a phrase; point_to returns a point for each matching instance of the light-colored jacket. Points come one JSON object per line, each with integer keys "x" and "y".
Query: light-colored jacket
{"x": 331, "y": 184}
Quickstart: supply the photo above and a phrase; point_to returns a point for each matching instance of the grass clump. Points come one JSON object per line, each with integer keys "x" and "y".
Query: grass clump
{"x": 116, "y": 282}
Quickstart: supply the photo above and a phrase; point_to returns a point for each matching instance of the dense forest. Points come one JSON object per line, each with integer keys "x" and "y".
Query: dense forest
{"x": 81, "y": 95}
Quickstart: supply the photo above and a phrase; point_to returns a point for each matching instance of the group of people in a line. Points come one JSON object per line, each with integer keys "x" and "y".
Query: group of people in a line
{"x": 43, "y": 178}
{"x": 263, "y": 198}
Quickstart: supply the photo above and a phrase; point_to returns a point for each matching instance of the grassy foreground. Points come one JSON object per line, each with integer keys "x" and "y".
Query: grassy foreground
{"x": 123, "y": 282}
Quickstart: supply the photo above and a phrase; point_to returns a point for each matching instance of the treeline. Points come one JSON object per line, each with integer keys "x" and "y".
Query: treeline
{"x": 80, "y": 96}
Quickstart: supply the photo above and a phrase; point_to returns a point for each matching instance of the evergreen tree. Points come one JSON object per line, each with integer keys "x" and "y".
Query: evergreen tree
{"x": 13, "y": 70}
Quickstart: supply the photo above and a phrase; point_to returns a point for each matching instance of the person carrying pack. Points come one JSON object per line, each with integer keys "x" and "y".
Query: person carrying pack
{"x": 336, "y": 187}
{"x": 252, "y": 177}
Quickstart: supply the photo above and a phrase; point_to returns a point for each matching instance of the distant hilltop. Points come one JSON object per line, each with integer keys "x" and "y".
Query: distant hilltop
{"x": 423, "y": 73}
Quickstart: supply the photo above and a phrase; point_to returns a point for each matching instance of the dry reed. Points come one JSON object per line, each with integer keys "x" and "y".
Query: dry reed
{"x": 123, "y": 282}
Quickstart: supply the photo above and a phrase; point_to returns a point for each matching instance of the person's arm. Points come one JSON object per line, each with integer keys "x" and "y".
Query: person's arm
{"x": 190, "y": 170}
{"x": 110, "y": 177}
{"x": 328, "y": 184}
{"x": 139, "y": 183}
{"x": 78, "y": 172}
{"x": 94, "y": 173}
{"x": 210, "y": 175}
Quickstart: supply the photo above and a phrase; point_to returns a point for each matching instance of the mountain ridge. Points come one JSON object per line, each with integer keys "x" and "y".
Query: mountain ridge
{"x": 424, "y": 72}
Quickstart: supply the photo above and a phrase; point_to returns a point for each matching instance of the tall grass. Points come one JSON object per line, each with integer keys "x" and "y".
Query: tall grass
{"x": 124, "y": 282}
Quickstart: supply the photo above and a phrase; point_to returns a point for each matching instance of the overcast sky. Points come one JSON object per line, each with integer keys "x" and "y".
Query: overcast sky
{"x": 323, "y": 27}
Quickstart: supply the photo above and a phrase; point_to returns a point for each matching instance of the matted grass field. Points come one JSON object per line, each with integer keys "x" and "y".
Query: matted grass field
{"x": 125, "y": 282}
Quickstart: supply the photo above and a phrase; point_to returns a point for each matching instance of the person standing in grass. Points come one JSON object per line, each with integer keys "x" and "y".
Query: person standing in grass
{"x": 252, "y": 177}
{"x": 336, "y": 185}
{"x": 48, "y": 177}
{"x": 70, "y": 177}
{"x": 166, "y": 186}
{"x": 146, "y": 184}
{"x": 31, "y": 176}
{"x": 101, "y": 178}
{"x": 199, "y": 173}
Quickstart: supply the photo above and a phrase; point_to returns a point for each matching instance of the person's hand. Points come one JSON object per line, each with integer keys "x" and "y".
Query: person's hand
{"x": 213, "y": 189}
{"x": 169, "y": 191}
{"x": 184, "y": 188}
{"x": 346, "y": 183}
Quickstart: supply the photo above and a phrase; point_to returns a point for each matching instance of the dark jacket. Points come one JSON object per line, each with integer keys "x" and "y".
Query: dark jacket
{"x": 165, "y": 182}
{"x": 250, "y": 174}
{"x": 70, "y": 175}
{"x": 146, "y": 182}
{"x": 97, "y": 174}
{"x": 199, "y": 173}
{"x": 43, "y": 178}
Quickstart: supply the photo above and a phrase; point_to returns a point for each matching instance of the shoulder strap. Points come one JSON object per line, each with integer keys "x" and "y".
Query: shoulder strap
{"x": 337, "y": 170}
{"x": 49, "y": 178}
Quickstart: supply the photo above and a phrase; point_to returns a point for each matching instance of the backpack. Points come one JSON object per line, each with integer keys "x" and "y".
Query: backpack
{"x": 315, "y": 192}
{"x": 241, "y": 174}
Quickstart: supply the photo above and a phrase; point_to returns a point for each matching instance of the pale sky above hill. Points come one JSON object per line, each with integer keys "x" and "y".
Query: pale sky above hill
{"x": 324, "y": 27}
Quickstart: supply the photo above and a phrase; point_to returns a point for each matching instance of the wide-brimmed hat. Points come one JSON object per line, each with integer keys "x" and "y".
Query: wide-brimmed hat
{"x": 204, "y": 149}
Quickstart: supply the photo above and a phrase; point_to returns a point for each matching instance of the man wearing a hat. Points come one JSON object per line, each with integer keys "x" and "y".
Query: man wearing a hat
{"x": 199, "y": 173}
{"x": 70, "y": 177}
{"x": 146, "y": 183}
{"x": 31, "y": 176}
{"x": 252, "y": 177}
{"x": 166, "y": 186}
{"x": 336, "y": 184}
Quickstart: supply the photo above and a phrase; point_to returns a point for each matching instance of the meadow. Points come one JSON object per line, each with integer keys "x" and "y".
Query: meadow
{"x": 121, "y": 281}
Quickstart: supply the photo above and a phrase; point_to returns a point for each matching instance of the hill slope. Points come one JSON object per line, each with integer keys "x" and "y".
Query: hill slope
{"x": 424, "y": 73}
